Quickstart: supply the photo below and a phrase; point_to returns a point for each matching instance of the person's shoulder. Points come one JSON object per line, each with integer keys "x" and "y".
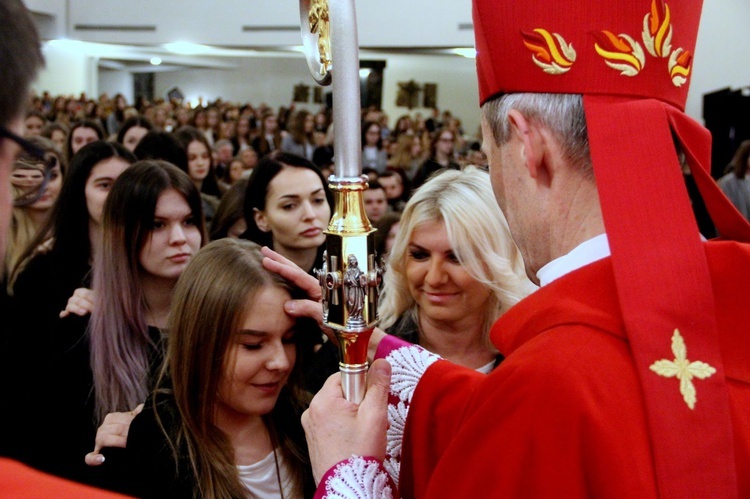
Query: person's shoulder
{"x": 569, "y": 357}
{"x": 726, "y": 179}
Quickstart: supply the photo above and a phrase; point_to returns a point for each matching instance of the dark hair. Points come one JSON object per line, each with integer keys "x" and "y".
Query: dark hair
{"x": 53, "y": 126}
{"x": 740, "y": 159}
{"x": 365, "y": 127}
{"x": 229, "y": 211}
{"x": 118, "y": 333}
{"x": 373, "y": 185}
{"x": 436, "y": 138}
{"x": 297, "y": 127}
{"x": 400, "y": 173}
{"x": 388, "y": 220}
{"x": 20, "y": 57}
{"x": 94, "y": 125}
{"x": 68, "y": 223}
{"x": 185, "y": 136}
{"x": 38, "y": 114}
{"x": 131, "y": 122}
{"x": 257, "y": 190}
{"x": 157, "y": 144}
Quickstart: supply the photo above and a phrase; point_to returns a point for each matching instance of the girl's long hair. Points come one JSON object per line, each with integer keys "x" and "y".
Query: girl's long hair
{"x": 210, "y": 302}
{"x": 185, "y": 136}
{"x": 121, "y": 349}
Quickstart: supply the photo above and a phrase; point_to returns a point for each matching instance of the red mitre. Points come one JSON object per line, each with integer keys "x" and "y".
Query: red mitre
{"x": 632, "y": 60}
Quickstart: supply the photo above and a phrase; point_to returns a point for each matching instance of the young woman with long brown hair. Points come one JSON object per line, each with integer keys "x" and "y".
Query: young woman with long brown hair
{"x": 224, "y": 421}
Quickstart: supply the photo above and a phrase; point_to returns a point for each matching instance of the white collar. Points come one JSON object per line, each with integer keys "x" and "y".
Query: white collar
{"x": 587, "y": 252}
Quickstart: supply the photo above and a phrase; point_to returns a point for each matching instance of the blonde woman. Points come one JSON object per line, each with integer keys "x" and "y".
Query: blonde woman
{"x": 453, "y": 270}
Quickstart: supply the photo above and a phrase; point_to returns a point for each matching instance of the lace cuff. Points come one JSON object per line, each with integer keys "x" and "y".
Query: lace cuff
{"x": 408, "y": 363}
{"x": 356, "y": 478}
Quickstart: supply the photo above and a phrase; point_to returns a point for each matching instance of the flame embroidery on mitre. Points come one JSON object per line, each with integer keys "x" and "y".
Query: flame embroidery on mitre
{"x": 657, "y": 29}
{"x": 620, "y": 52}
{"x": 679, "y": 66}
{"x": 551, "y": 52}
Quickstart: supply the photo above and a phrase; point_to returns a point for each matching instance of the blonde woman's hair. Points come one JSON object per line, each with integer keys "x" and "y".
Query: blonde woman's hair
{"x": 478, "y": 234}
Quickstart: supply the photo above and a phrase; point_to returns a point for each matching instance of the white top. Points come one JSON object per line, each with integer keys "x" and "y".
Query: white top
{"x": 587, "y": 252}
{"x": 260, "y": 478}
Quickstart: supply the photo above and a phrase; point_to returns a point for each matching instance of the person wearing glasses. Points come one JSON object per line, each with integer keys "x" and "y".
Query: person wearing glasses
{"x": 21, "y": 58}
{"x": 442, "y": 155}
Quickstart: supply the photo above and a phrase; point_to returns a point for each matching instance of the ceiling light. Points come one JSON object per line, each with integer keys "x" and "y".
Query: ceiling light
{"x": 156, "y": 61}
{"x": 187, "y": 48}
{"x": 469, "y": 53}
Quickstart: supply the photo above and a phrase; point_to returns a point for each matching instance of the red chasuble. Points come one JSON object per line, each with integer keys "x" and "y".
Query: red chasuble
{"x": 563, "y": 415}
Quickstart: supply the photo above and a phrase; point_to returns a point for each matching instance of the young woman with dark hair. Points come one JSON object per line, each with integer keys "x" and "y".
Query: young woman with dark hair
{"x": 441, "y": 156}
{"x": 57, "y": 133}
{"x": 269, "y": 137}
{"x": 373, "y": 154}
{"x": 200, "y": 167}
{"x": 287, "y": 207}
{"x": 152, "y": 228}
{"x": 229, "y": 220}
{"x": 299, "y": 140}
{"x": 81, "y": 133}
{"x": 133, "y": 130}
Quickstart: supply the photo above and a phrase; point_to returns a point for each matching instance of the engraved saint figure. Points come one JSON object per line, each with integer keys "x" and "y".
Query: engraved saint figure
{"x": 355, "y": 282}
{"x": 320, "y": 24}
{"x": 321, "y": 274}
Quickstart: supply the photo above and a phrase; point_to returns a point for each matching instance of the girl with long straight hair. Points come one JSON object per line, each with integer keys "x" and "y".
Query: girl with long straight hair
{"x": 153, "y": 225}
{"x": 224, "y": 421}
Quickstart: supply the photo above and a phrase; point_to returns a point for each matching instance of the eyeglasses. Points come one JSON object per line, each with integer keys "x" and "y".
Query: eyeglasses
{"x": 48, "y": 160}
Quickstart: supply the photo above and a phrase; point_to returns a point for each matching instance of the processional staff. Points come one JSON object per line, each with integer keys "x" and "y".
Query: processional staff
{"x": 351, "y": 275}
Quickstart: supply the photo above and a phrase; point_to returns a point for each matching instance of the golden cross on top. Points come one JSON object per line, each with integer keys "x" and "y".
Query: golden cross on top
{"x": 683, "y": 369}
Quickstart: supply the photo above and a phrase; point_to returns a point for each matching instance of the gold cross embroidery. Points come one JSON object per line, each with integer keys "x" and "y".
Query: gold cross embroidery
{"x": 683, "y": 369}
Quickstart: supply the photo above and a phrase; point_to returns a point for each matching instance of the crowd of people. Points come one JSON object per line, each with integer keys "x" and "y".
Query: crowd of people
{"x": 113, "y": 203}
{"x": 162, "y": 322}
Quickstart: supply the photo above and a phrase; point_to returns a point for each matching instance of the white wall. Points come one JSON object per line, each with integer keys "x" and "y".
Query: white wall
{"x": 67, "y": 71}
{"x": 456, "y": 80}
{"x": 113, "y": 81}
{"x": 722, "y": 58}
{"x": 256, "y": 80}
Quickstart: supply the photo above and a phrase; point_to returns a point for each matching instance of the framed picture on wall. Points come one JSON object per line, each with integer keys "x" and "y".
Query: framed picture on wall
{"x": 429, "y": 95}
{"x": 408, "y": 94}
{"x": 301, "y": 93}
